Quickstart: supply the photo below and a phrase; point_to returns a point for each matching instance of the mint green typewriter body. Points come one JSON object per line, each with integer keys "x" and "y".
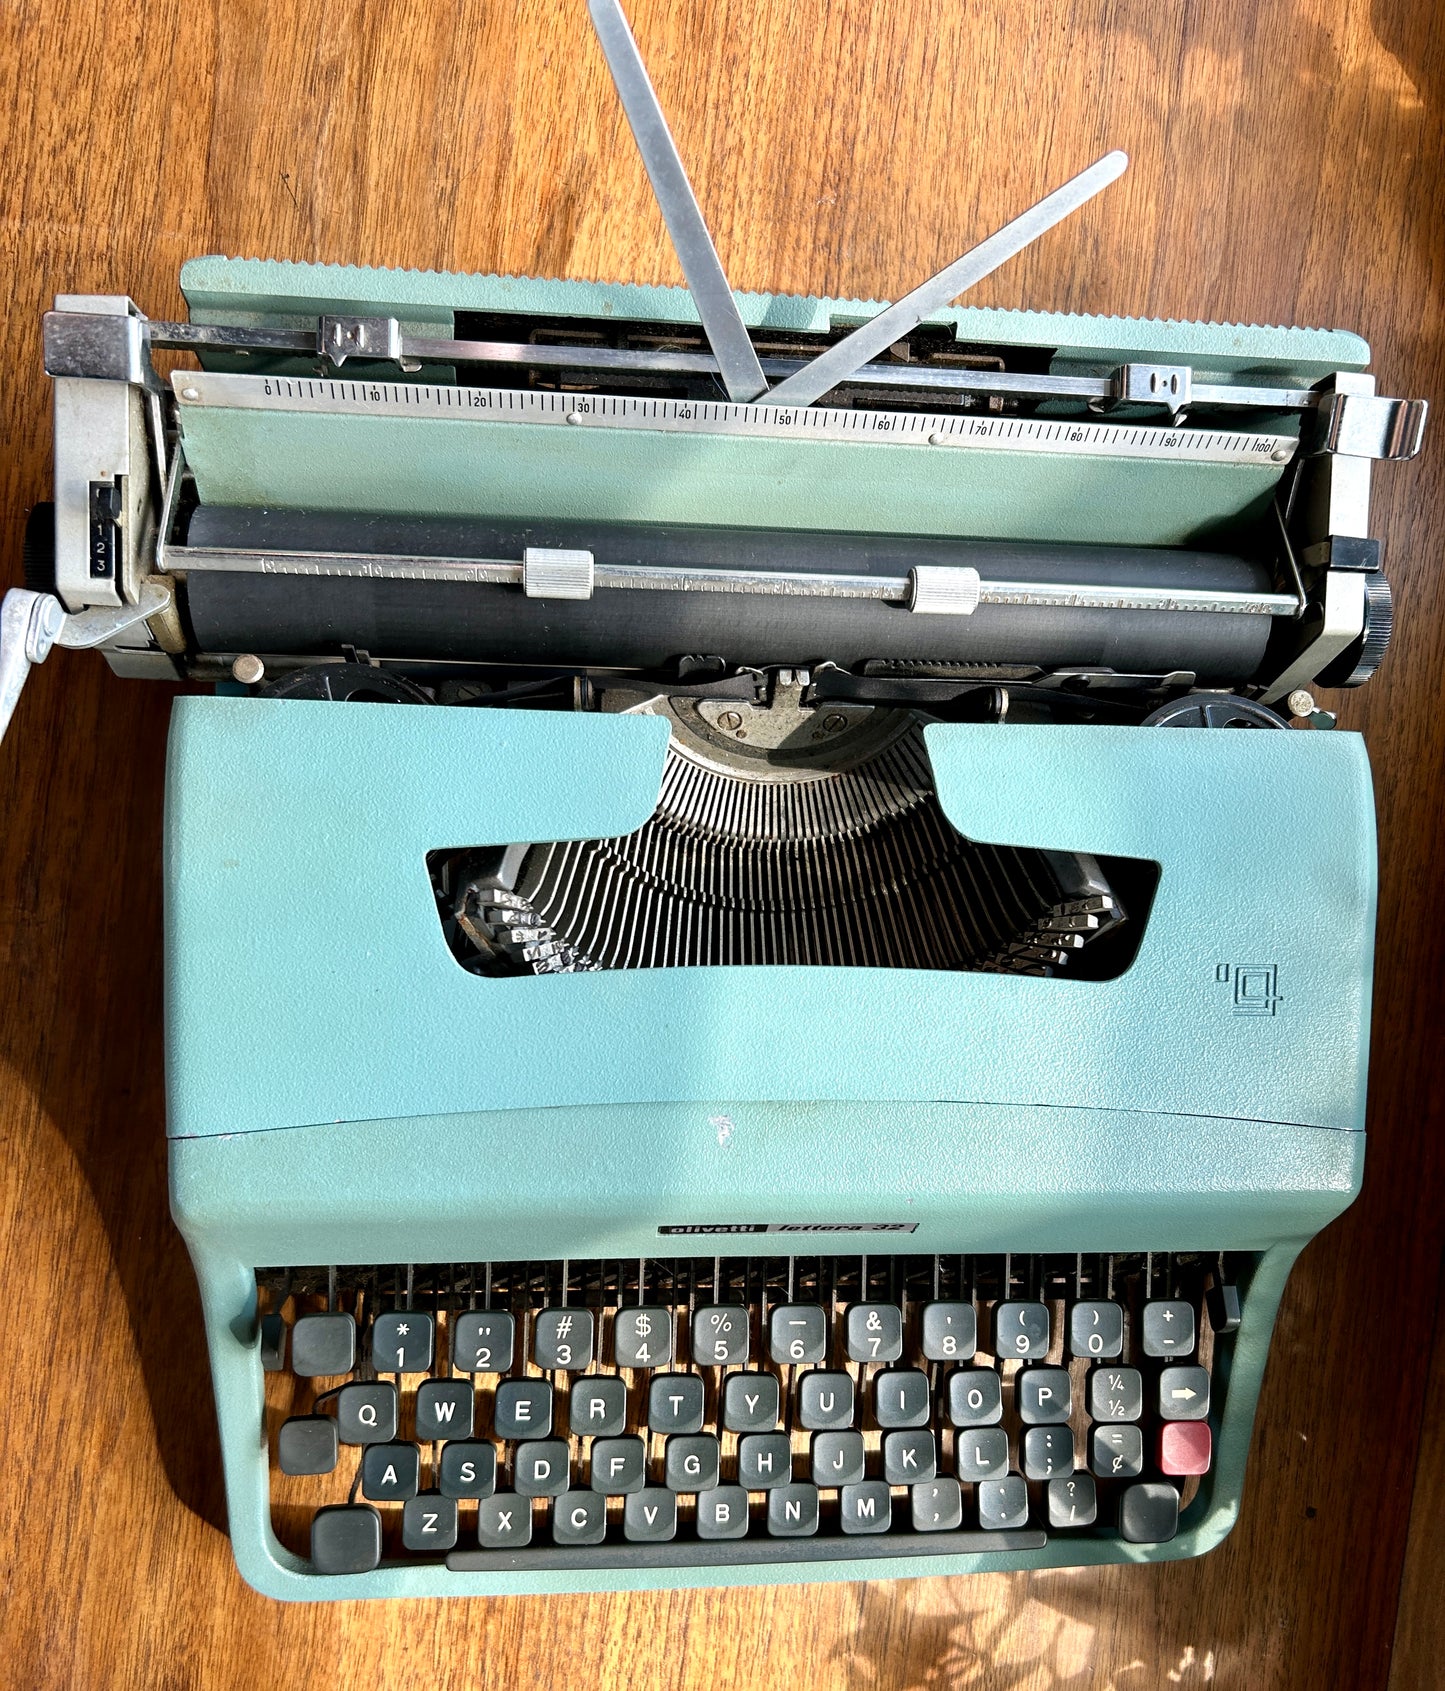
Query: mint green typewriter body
{"x": 342, "y": 1092}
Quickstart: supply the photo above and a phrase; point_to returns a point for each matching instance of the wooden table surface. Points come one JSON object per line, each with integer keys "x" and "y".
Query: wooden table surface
{"x": 1286, "y": 169}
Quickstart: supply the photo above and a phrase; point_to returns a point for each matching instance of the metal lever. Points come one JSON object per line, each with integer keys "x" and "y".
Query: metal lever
{"x": 32, "y": 623}
{"x": 722, "y": 323}
{"x": 870, "y": 338}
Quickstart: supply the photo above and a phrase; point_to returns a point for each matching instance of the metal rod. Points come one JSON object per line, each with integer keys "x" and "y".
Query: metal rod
{"x": 722, "y": 322}
{"x": 427, "y": 349}
{"x": 870, "y": 338}
{"x": 887, "y": 589}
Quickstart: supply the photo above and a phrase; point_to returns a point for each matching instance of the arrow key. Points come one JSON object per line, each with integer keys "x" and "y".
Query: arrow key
{"x": 1184, "y": 1394}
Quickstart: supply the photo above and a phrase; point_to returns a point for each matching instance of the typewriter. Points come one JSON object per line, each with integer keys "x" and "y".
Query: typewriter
{"x": 735, "y": 1011}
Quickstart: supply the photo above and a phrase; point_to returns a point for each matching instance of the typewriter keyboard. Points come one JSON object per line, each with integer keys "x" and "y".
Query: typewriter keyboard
{"x": 715, "y": 1410}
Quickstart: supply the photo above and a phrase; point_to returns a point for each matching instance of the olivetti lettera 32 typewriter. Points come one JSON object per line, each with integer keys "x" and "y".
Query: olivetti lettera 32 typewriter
{"x": 770, "y": 1060}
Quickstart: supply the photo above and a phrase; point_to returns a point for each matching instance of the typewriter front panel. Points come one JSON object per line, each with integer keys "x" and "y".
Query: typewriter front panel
{"x": 918, "y": 1136}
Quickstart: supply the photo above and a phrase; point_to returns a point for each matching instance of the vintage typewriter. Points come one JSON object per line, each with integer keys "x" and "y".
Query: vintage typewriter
{"x": 715, "y": 1033}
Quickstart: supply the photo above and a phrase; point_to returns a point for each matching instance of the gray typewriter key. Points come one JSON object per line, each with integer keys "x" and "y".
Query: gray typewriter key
{"x": 579, "y": 1517}
{"x": 691, "y": 1462}
{"x": 825, "y": 1401}
{"x": 866, "y": 1506}
{"x": 483, "y": 1341}
{"x": 901, "y": 1398}
{"x": 563, "y": 1338}
{"x": 345, "y": 1539}
{"x": 1096, "y": 1328}
{"x": 429, "y": 1522}
{"x": 273, "y": 1343}
{"x": 618, "y": 1466}
{"x": 793, "y": 1510}
{"x": 1021, "y": 1329}
{"x": 981, "y": 1453}
{"x": 323, "y": 1344}
{"x": 649, "y": 1516}
{"x": 1168, "y": 1328}
{"x": 1116, "y": 1453}
{"x": 908, "y": 1457}
{"x": 1072, "y": 1501}
{"x": 1003, "y": 1503}
{"x": 750, "y": 1403}
{"x": 937, "y": 1506}
{"x": 1184, "y": 1394}
{"x": 522, "y": 1409}
{"x": 1116, "y": 1394}
{"x": 975, "y": 1397}
{"x": 401, "y": 1342}
{"x": 390, "y": 1473}
{"x": 642, "y": 1337}
{"x": 1047, "y": 1452}
{"x": 1149, "y": 1514}
{"x": 1042, "y": 1396}
{"x": 540, "y": 1468}
{"x": 720, "y": 1336}
{"x": 837, "y": 1458}
{"x": 675, "y": 1403}
{"x": 873, "y": 1332}
{"x": 366, "y": 1412}
{"x": 444, "y": 1409}
{"x": 504, "y": 1521}
{"x": 948, "y": 1332}
{"x": 798, "y": 1332}
{"x": 598, "y": 1405}
{"x": 765, "y": 1460}
{"x": 306, "y": 1444}
{"x": 722, "y": 1512}
{"x": 468, "y": 1469}
{"x": 1222, "y": 1302}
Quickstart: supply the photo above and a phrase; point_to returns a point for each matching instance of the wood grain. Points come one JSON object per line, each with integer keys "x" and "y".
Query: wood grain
{"x": 1286, "y": 169}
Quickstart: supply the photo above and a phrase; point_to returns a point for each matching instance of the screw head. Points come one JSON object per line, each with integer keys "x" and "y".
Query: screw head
{"x": 834, "y": 723}
{"x": 730, "y": 719}
{"x": 1301, "y": 702}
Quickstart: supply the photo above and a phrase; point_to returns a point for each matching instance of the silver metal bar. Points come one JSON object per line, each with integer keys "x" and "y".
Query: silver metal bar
{"x": 953, "y": 431}
{"x": 869, "y": 339}
{"x": 178, "y": 337}
{"x": 727, "y": 335}
{"x": 493, "y": 572}
{"x": 792, "y": 584}
{"x": 666, "y": 361}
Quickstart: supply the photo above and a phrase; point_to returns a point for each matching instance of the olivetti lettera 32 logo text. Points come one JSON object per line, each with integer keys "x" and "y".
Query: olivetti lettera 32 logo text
{"x": 1256, "y": 986}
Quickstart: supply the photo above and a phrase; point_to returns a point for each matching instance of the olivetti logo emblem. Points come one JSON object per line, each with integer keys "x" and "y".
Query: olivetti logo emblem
{"x": 1256, "y": 986}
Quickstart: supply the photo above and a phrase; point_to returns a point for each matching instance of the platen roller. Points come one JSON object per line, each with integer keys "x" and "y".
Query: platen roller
{"x": 318, "y": 614}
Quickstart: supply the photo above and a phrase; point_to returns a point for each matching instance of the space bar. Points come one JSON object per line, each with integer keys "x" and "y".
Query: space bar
{"x": 741, "y": 1552}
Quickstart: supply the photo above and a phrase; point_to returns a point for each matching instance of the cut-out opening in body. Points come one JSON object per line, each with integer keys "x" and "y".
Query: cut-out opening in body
{"x": 827, "y": 846}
